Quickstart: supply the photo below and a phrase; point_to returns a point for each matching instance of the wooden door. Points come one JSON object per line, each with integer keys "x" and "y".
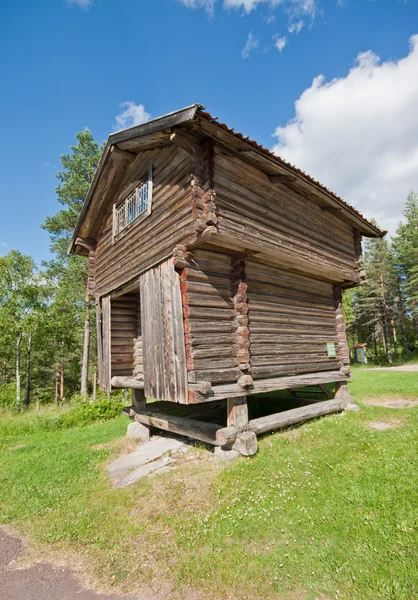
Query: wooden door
{"x": 165, "y": 373}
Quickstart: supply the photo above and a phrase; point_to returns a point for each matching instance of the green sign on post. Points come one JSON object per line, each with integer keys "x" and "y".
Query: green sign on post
{"x": 331, "y": 352}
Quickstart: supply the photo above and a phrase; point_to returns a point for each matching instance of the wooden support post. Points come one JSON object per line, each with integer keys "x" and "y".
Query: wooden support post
{"x": 139, "y": 431}
{"x": 237, "y": 413}
{"x": 342, "y": 393}
{"x": 138, "y": 400}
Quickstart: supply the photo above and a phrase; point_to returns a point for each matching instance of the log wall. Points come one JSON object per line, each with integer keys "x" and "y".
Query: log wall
{"x": 291, "y": 319}
{"x": 123, "y": 329}
{"x": 273, "y": 217}
{"x": 209, "y": 318}
{"x": 145, "y": 243}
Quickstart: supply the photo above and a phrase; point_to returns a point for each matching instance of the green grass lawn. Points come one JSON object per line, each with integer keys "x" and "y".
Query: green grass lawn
{"x": 326, "y": 510}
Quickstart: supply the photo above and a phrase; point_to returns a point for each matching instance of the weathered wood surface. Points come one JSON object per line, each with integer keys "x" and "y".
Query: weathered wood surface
{"x": 296, "y": 415}
{"x": 342, "y": 393}
{"x": 127, "y": 382}
{"x": 199, "y": 430}
{"x": 237, "y": 413}
{"x": 343, "y": 349}
{"x": 209, "y": 319}
{"x": 163, "y": 347}
{"x": 261, "y": 386}
{"x": 246, "y": 443}
{"x": 106, "y": 372}
{"x": 171, "y": 221}
{"x": 124, "y": 322}
{"x": 139, "y": 401}
{"x": 99, "y": 341}
{"x": 285, "y": 300}
{"x": 273, "y": 216}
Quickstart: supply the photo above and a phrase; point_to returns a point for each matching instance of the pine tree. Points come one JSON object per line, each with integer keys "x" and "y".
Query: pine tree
{"x": 376, "y": 300}
{"x": 75, "y": 180}
{"x": 405, "y": 245}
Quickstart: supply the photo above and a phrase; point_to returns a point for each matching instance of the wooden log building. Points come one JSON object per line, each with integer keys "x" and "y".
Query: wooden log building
{"x": 217, "y": 270}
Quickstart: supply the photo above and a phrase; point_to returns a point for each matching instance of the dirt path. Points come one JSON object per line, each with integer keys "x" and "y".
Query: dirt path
{"x": 42, "y": 581}
{"x": 402, "y": 368}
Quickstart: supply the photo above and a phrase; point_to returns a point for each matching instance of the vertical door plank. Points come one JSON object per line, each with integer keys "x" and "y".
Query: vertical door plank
{"x": 106, "y": 328}
{"x": 99, "y": 342}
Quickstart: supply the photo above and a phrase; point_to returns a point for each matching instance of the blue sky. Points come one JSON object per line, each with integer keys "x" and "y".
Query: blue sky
{"x": 69, "y": 65}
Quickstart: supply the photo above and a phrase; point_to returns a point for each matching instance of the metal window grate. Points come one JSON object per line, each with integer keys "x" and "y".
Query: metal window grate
{"x": 137, "y": 203}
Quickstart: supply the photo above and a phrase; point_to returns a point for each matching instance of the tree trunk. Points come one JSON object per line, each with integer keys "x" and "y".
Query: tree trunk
{"x": 394, "y": 335}
{"x": 18, "y": 345}
{"x": 56, "y": 385}
{"x": 416, "y": 321}
{"x": 26, "y": 399}
{"x": 86, "y": 346}
{"x": 62, "y": 383}
{"x": 95, "y": 384}
{"x": 403, "y": 320}
{"x": 385, "y": 319}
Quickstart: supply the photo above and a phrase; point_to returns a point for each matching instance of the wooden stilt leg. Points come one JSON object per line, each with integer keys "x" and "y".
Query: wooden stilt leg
{"x": 138, "y": 431}
{"x": 342, "y": 393}
{"x": 237, "y": 416}
{"x": 138, "y": 400}
{"x": 237, "y": 413}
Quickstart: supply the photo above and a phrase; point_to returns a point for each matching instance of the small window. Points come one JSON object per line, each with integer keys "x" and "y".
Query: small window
{"x": 137, "y": 204}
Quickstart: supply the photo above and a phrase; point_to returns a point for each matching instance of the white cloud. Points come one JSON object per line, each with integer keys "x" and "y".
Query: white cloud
{"x": 208, "y": 5}
{"x": 294, "y": 8}
{"x": 296, "y": 27}
{"x": 251, "y": 44}
{"x": 130, "y": 115}
{"x": 280, "y": 43}
{"x": 247, "y": 5}
{"x": 85, "y": 4}
{"x": 358, "y": 134}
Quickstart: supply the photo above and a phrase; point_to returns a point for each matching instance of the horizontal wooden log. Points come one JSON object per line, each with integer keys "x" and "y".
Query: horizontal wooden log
{"x": 275, "y": 370}
{"x": 198, "y": 326}
{"x": 211, "y": 256}
{"x": 216, "y": 351}
{"x": 127, "y": 382}
{"x": 246, "y": 443}
{"x": 226, "y": 436}
{"x": 288, "y": 349}
{"x": 224, "y": 362}
{"x": 221, "y": 391}
{"x": 258, "y": 270}
{"x": 288, "y": 340}
{"x": 198, "y": 312}
{"x": 296, "y": 415}
{"x": 198, "y": 430}
{"x": 291, "y": 359}
{"x": 251, "y": 181}
{"x": 209, "y": 340}
{"x": 245, "y": 381}
{"x": 214, "y": 375}
{"x": 211, "y": 268}
{"x": 207, "y": 300}
{"x": 288, "y": 306}
{"x": 272, "y": 317}
{"x": 195, "y": 275}
{"x": 199, "y": 287}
